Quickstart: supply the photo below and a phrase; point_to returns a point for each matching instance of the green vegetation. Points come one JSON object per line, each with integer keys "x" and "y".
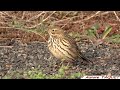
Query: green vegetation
{"x": 114, "y": 39}
{"x": 99, "y": 38}
{"x": 38, "y": 74}
{"x": 93, "y": 32}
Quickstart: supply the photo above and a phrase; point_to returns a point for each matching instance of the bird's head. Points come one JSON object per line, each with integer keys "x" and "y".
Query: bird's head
{"x": 56, "y": 32}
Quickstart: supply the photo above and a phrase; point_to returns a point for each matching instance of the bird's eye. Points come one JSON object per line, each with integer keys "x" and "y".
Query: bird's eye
{"x": 53, "y": 30}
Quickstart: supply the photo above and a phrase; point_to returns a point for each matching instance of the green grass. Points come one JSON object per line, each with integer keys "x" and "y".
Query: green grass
{"x": 99, "y": 38}
{"x": 93, "y": 32}
{"x": 38, "y": 74}
{"x": 114, "y": 39}
{"x": 20, "y": 25}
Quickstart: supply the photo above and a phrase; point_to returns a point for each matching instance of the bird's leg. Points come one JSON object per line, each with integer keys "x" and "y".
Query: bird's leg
{"x": 68, "y": 64}
{"x": 62, "y": 61}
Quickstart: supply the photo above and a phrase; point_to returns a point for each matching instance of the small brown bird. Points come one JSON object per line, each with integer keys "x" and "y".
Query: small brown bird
{"x": 63, "y": 46}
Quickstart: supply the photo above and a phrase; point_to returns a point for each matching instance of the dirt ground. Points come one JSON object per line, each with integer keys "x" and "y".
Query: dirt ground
{"x": 25, "y": 56}
{"x": 20, "y": 51}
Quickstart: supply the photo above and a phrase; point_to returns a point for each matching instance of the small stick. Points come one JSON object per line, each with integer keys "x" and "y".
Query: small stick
{"x": 6, "y": 46}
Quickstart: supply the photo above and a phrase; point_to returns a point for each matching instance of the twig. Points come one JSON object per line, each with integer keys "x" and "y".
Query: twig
{"x": 88, "y": 17}
{"x": 66, "y": 14}
{"x": 104, "y": 13}
{"x": 13, "y": 16}
{"x": 83, "y": 19}
{"x": 23, "y": 29}
{"x": 34, "y": 32}
{"x": 6, "y": 46}
{"x": 116, "y": 16}
{"x": 41, "y": 22}
{"x": 64, "y": 24}
{"x": 70, "y": 18}
{"x": 2, "y": 13}
{"x": 23, "y": 15}
{"x": 6, "y": 27}
{"x": 5, "y": 13}
{"x": 93, "y": 15}
{"x": 3, "y": 23}
{"x": 35, "y": 17}
{"x": 67, "y": 18}
{"x": 83, "y": 24}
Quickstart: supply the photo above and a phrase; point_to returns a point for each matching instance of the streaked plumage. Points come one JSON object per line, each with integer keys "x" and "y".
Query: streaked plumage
{"x": 62, "y": 46}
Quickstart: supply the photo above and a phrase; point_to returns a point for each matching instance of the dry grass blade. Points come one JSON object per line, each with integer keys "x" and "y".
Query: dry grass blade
{"x": 106, "y": 32}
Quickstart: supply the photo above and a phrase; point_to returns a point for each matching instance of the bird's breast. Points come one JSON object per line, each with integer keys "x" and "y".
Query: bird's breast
{"x": 61, "y": 49}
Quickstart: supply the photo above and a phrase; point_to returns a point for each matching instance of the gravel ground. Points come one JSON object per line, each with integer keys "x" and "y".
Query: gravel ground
{"x": 26, "y": 56}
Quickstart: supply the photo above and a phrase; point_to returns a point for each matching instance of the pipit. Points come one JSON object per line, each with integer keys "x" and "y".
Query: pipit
{"x": 62, "y": 46}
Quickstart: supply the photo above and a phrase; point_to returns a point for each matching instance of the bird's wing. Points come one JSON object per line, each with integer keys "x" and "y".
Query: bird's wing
{"x": 73, "y": 46}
